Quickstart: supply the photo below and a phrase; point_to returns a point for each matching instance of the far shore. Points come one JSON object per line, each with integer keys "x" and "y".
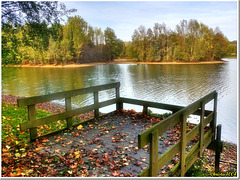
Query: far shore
{"x": 117, "y": 61}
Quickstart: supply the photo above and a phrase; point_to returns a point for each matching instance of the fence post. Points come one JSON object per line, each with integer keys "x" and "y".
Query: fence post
{"x": 96, "y": 111}
{"x": 68, "y": 106}
{"x": 32, "y": 117}
{"x": 213, "y": 123}
{"x": 217, "y": 152}
{"x": 145, "y": 110}
{"x": 201, "y": 129}
{"x": 119, "y": 105}
{"x": 183, "y": 143}
{"x": 154, "y": 154}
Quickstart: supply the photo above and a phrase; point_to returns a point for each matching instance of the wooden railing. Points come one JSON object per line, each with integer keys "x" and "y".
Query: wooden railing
{"x": 30, "y": 102}
{"x": 186, "y": 160}
{"x": 150, "y": 135}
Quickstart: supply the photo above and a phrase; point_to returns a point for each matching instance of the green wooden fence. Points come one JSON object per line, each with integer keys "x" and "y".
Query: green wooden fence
{"x": 30, "y": 102}
{"x": 150, "y": 135}
{"x": 186, "y": 160}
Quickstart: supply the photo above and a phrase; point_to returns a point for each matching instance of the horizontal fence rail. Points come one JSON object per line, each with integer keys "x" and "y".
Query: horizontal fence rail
{"x": 60, "y": 95}
{"x": 146, "y": 104}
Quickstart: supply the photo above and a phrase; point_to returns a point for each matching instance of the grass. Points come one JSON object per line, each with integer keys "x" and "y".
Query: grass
{"x": 13, "y": 116}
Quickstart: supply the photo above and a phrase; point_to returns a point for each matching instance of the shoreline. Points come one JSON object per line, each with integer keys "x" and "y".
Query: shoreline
{"x": 117, "y": 62}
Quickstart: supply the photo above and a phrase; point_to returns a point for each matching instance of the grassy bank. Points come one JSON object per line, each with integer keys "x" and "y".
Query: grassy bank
{"x": 21, "y": 159}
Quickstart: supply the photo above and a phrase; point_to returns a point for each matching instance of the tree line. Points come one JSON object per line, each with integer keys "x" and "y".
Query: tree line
{"x": 191, "y": 41}
{"x": 38, "y": 38}
{"x": 76, "y": 41}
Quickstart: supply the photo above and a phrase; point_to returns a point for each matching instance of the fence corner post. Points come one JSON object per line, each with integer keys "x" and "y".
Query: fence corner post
{"x": 119, "y": 105}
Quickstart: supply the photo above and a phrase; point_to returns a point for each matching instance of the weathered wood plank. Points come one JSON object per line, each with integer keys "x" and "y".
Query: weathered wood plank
{"x": 151, "y": 104}
{"x": 183, "y": 143}
{"x": 175, "y": 171}
{"x": 191, "y": 134}
{"x": 119, "y": 104}
{"x": 154, "y": 154}
{"x": 60, "y": 95}
{"x": 213, "y": 123}
{"x": 145, "y": 110}
{"x": 201, "y": 128}
{"x": 145, "y": 172}
{"x": 169, "y": 154}
{"x": 65, "y": 115}
{"x": 208, "y": 119}
{"x": 68, "y": 106}
{"x": 32, "y": 117}
{"x": 96, "y": 100}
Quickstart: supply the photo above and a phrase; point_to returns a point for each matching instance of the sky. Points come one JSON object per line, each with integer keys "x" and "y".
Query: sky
{"x": 126, "y": 16}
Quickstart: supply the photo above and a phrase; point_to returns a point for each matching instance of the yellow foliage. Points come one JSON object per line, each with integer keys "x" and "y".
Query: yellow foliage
{"x": 79, "y": 127}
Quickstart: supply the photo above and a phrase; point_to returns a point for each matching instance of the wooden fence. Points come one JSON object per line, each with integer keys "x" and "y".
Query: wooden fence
{"x": 30, "y": 102}
{"x": 150, "y": 135}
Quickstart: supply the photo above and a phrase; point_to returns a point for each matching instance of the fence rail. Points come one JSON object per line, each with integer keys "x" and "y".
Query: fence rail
{"x": 150, "y": 135}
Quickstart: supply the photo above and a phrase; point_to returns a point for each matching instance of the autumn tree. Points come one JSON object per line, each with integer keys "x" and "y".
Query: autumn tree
{"x": 114, "y": 45}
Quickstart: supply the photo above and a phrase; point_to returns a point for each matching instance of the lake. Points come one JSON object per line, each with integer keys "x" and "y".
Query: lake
{"x": 178, "y": 84}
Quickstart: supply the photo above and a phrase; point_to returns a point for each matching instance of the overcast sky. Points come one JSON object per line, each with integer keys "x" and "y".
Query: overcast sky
{"x": 126, "y": 16}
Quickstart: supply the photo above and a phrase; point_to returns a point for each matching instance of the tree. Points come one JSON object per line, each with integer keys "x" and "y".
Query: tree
{"x": 22, "y": 12}
{"x": 114, "y": 45}
{"x": 76, "y": 33}
{"x": 32, "y": 19}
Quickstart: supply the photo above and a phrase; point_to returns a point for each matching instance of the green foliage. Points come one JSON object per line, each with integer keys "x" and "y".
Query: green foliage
{"x": 197, "y": 170}
{"x": 192, "y": 41}
{"x": 114, "y": 45}
{"x": 77, "y": 41}
{"x": 37, "y": 43}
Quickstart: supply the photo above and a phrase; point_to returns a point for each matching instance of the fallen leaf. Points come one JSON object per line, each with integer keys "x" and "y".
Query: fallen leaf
{"x": 138, "y": 163}
{"x": 116, "y": 173}
{"x": 79, "y": 127}
{"x": 170, "y": 166}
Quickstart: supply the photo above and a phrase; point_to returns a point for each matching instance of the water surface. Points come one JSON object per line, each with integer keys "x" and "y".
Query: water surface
{"x": 177, "y": 84}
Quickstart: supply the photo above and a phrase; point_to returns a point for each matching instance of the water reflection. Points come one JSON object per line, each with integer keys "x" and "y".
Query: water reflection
{"x": 172, "y": 84}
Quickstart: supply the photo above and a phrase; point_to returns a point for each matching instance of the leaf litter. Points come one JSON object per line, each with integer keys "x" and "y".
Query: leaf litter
{"x": 102, "y": 148}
